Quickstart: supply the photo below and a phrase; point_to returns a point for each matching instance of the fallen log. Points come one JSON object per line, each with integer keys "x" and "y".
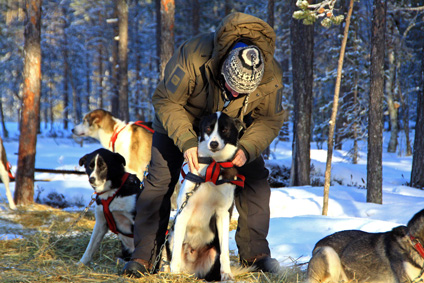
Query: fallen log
{"x": 59, "y": 171}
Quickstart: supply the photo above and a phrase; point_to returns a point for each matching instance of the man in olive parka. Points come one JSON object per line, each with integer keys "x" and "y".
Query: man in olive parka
{"x": 202, "y": 77}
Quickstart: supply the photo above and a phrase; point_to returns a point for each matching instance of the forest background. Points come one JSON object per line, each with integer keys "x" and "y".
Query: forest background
{"x": 111, "y": 54}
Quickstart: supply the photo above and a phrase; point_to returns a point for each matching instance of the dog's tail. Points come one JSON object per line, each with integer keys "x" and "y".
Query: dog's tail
{"x": 325, "y": 266}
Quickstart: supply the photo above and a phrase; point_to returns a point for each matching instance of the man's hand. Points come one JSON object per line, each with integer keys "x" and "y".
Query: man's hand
{"x": 191, "y": 156}
{"x": 240, "y": 158}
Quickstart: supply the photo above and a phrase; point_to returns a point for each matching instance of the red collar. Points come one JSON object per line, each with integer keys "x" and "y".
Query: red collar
{"x": 417, "y": 245}
{"x": 106, "y": 211}
{"x": 114, "y": 137}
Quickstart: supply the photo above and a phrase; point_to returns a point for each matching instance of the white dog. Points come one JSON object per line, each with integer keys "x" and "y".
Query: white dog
{"x": 200, "y": 240}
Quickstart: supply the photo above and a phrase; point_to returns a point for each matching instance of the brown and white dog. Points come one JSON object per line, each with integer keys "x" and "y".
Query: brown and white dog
{"x": 132, "y": 141}
{"x": 200, "y": 239}
{"x": 4, "y": 175}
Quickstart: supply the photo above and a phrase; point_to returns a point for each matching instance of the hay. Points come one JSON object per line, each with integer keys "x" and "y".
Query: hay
{"x": 48, "y": 251}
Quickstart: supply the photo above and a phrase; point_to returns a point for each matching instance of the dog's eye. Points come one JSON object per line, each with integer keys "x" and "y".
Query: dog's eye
{"x": 208, "y": 130}
{"x": 224, "y": 130}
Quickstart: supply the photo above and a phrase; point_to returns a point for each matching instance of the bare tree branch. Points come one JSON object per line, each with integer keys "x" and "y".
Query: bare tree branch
{"x": 410, "y": 8}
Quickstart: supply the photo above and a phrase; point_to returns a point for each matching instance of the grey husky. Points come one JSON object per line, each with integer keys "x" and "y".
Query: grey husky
{"x": 357, "y": 256}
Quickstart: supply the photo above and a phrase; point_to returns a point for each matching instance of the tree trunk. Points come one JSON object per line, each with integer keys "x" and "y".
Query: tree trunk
{"x": 339, "y": 136}
{"x": 375, "y": 114}
{"x": 340, "y": 133}
{"x": 267, "y": 152}
{"x": 167, "y": 12}
{"x": 24, "y": 187}
{"x": 123, "y": 60}
{"x": 334, "y": 111}
{"x": 3, "y": 123}
{"x": 158, "y": 6}
{"x": 76, "y": 100}
{"x": 391, "y": 103}
{"x": 138, "y": 97}
{"x": 87, "y": 84}
{"x": 115, "y": 70}
{"x": 100, "y": 101}
{"x": 228, "y": 7}
{"x": 65, "y": 86}
{"x": 302, "y": 45}
{"x": 355, "y": 149}
{"x": 65, "y": 69}
{"x": 195, "y": 12}
{"x": 404, "y": 104}
{"x": 417, "y": 172}
{"x": 270, "y": 9}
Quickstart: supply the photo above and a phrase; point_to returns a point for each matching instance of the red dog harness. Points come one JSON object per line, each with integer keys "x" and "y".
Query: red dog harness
{"x": 213, "y": 171}
{"x": 417, "y": 246}
{"x": 116, "y": 133}
{"x": 111, "y": 224}
{"x": 9, "y": 171}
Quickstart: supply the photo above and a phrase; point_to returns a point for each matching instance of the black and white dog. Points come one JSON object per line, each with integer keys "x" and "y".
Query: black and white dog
{"x": 200, "y": 240}
{"x": 117, "y": 193}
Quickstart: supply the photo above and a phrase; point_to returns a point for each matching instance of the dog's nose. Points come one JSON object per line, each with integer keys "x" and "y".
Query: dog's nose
{"x": 214, "y": 144}
{"x": 72, "y": 130}
{"x": 92, "y": 180}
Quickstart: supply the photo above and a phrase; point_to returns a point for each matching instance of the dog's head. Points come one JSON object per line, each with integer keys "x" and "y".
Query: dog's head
{"x": 416, "y": 226}
{"x": 92, "y": 122}
{"x": 218, "y": 137}
{"x": 104, "y": 169}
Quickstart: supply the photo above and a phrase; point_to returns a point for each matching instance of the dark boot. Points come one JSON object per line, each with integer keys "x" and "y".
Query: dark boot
{"x": 136, "y": 268}
{"x": 263, "y": 263}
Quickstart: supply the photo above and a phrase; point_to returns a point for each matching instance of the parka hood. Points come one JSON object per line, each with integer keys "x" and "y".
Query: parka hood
{"x": 237, "y": 26}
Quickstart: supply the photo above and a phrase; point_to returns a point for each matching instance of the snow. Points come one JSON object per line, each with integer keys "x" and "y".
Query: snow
{"x": 296, "y": 222}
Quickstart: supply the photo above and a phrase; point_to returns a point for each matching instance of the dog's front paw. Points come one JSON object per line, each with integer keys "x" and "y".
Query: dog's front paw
{"x": 225, "y": 276}
{"x": 80, "y": 264}
{"x": 175, "y": 267}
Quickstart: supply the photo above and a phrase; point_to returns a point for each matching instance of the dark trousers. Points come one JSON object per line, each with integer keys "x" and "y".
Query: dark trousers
{"x": 154, "y": 204}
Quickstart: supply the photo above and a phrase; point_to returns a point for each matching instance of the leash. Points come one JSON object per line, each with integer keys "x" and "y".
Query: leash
{"x": 93, "y": 199}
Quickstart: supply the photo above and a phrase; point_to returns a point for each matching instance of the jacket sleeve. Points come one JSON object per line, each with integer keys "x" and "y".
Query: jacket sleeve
{"x": 268, "y": 118}
{"x": 169, "y": 100}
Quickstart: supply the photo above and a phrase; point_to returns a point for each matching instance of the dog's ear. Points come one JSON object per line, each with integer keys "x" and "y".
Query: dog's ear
{"x": 82, "y": 160}
{"x": 400, "y": 231}
{"x": 201, "y": 123}
{"x": 120, "y": 158}
{"x": 93, "y": 118}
